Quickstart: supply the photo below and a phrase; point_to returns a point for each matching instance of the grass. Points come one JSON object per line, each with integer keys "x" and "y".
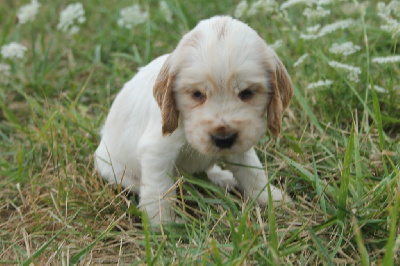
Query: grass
{"x": 338, "y": 155}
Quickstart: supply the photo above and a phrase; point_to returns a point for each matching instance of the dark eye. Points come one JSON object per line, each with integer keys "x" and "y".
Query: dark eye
{"x": 246, "y": 94}
{"x": 198, "y": 96}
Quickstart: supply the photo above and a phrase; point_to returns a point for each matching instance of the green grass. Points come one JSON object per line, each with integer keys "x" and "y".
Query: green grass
{"x": 338, "y": 155}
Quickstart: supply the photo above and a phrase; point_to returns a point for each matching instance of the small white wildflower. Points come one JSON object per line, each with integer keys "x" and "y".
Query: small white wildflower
{"x": 309, "y": 36}
{"x": 132, "y": 16}
{"x": 166, "y": 11}
{"x": 240, "y": 9}
{"x": 276, "y": 44}
{"x": 27, "y": 13}
{"x": 313, "y": 29}
{"x": 385, "y": 12}
{"x": 378, "y": 88}
{"x": 4, "y": 73}
{"x": 352, "y": 71}
{"x": 325, "y": 2}
{"x": 392, "y": 26}
{"x": 13, "y": 50}
{"x": 320, "y": 83}
{"x": 386, "y": 60}
{"x": 301, "y": 59}
{"x": 341, "y": 24}
{"x": 290, "y": 3}
{"x": 71, "y": 15}
{"x": 345, "y": 49}
{"x": 266, "y": 6}
{"x": 317, "y": 13}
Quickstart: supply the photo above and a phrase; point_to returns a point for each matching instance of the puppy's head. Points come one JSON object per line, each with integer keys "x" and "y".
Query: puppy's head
{"x": 219, "y": 83}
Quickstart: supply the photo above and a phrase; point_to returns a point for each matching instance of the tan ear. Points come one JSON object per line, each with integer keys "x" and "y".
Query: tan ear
{"x": 164, "y": 95}
{"x": 282, "y": 92}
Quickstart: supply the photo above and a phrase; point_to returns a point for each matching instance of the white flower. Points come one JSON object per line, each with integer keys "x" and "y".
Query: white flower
{"x": 325, "y": 2}
{"x": 13, "y": 50}
{"x": 341, "y": 24}
{"x": 384, "y": 10}
{"x": 166, "y": 11}
{"x": 301, "y": 59}
{"x": 329, "y": 28}
{"x": 392, "y": 26}
{"x": 276, "y": 44}
{"x": 345, "y": 49}
{"x": 386, "y": 60}
{"x": 320, "y": 83}
{"x": 352, "y": 71}
{"x": 132, "y": 16}
{"x": 309, "y": 36}
{"x": 290, "y": 3}
{"x": 262, "y": 5}
{"x": 27, "y": 13}
{"x": 4, "y": 73}
{"x": 317, "y": 13}
{"x": 240, "y": 9}
{"x": 313, "y": 29}
{"x": 378, "y": 88}
{"x": 71, "y": 15}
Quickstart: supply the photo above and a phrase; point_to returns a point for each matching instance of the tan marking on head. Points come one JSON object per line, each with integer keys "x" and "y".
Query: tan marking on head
{"x": 192, "y": 39}
{"x": 213, "y": 82}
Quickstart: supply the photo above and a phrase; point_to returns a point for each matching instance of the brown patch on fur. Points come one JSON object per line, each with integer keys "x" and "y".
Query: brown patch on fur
{"x": 282, "y": 91}
{"x": 164, "y": 96}
{"x": 220, "y": 26}
{"x": 193, "y": 39}
{"x": 212, "y": 81}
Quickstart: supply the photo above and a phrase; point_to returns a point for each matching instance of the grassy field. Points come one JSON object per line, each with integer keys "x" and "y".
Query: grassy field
{"x": 338, "y": 155}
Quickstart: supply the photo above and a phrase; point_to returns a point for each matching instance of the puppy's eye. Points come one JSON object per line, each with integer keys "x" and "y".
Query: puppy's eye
{"x": 198, "y": 96}
{"x": 246, "y": 94}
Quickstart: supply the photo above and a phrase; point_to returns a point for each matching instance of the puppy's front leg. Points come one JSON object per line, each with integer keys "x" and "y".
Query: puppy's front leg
{"x": 156, "y": 190}
{"x": 251, "y": 177}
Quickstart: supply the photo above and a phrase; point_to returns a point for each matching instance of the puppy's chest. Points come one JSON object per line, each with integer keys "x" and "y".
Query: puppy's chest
{"x": 192, "y": 161}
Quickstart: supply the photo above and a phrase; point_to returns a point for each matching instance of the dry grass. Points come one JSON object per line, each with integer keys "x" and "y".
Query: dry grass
{"x": 54, "y": 208}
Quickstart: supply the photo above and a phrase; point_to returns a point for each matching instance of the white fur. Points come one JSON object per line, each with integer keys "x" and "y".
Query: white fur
{"x": 220, "y": 57}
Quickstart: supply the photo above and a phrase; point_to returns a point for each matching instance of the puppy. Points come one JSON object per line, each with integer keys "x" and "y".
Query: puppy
{"x": 204, "y": 102}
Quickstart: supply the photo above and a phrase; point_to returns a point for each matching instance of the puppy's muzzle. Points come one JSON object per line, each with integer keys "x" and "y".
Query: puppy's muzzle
{"x": 224, "y": 141}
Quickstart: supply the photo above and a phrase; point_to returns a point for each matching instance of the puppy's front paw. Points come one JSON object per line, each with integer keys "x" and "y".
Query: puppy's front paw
{"x": 278, "y": 197}
{"x": 222, "y": 178}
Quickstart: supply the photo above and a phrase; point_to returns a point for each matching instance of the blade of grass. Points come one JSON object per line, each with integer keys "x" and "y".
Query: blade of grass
{"x": 319, "y": 188}
{"x": 360, "y": 243}
{"x": 320, "y": 247}
{"x": 217, "y": 256}
{"x": 357, "y": 163}
{"x": 388, "y": 260}
{"x": 145, "y": 221}
{"x": 378, "y": 122}
{"x": 42, "y": 248}
{"x": 344, "y": 182}
{"x": 309, "y": 176}
{"x": 82, "y": 253}
{"x": 273, "y": 235}
{"x": 307, "y": 109}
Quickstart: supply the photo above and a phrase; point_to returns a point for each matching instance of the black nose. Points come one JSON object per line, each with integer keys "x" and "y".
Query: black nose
{"x": 224, "y": 142}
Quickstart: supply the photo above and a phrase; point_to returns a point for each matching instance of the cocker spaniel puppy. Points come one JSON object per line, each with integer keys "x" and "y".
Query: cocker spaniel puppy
{"x": 204, "y": 102}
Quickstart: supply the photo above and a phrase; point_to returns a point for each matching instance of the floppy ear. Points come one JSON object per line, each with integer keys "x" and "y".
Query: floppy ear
{"x": 164, "y": 95}
{"x": 281, "y": 93}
